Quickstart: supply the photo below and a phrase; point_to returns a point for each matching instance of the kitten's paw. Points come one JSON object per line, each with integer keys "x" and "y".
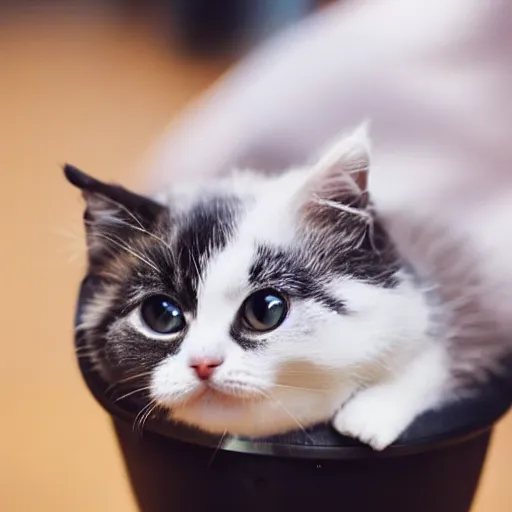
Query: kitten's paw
{"x": 373, "y": 418}
{"x": 379, "y": 414}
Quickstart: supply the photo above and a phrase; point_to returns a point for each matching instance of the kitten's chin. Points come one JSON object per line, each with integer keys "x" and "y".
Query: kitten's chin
{"x": 251, "y": 420}
{"x": 210, "y": 396}
{"x": 258, "y": 417}
{"x": 217, "y": 412}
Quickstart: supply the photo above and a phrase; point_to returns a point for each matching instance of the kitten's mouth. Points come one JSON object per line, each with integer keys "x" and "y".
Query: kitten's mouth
{"x": 225, "y": 394}
{"x": 209, "y": 395}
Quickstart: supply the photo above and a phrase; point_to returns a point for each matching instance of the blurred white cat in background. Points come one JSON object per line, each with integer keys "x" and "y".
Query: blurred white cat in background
{"x": 434, "y": 78}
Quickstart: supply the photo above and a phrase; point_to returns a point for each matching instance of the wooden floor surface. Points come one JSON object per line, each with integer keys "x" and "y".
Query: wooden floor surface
{"x": 95, "y": 93}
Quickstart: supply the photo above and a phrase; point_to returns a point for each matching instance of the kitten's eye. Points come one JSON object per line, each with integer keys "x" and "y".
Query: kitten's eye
{"x": 264, "y": 310}
{"x": 162, "y": 315}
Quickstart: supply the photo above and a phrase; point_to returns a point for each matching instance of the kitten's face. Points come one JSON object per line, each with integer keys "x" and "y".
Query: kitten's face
{"x": 246, "y": 309}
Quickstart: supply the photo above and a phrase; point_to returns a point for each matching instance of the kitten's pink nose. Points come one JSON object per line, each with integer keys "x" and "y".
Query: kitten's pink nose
{"x": 204, "y": 367}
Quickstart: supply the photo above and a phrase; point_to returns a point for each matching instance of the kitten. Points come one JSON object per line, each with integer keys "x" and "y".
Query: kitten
{"x": 253, "y": 304}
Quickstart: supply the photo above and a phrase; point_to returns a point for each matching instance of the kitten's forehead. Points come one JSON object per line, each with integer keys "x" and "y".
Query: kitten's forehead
{"x": 271, "y": 220}
{"x": 216, "y": 227}
{"x": 200, "y": 233}
{"x": 260, "y": 218}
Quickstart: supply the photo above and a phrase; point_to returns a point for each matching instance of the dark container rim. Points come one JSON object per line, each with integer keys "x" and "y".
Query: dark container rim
{"x": 456, "y": 423}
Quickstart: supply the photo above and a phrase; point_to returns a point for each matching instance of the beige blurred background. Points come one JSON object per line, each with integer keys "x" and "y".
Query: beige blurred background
{"x": 96, "y": 90}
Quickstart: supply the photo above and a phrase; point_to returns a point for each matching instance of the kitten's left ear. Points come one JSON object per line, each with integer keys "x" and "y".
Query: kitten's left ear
{"x": 340, "y": 177}
{"x": 108, "y": 203}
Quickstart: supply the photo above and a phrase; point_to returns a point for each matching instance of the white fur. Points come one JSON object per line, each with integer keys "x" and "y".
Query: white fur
{"x": 378, "y": 414}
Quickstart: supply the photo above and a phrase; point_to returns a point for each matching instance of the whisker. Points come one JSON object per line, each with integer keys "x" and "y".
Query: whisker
{"x": 194, "y": 262}
{"x": 130, "y": 393}
{"x": 75, "y": 247}
{"x": 343, "y": 207}
{"x": 370, "y": 229}
{"x": 129, "y": 378}
{"x": 128, "y": 250}
{"x": 139, "y": 414}
{"x": 147, "y": 415}
{"x": 144, "y": 231}
{"x": 67, "y": 233}
{"x": 219, "y": 446}
{"x": 125, "y": 209}
{"x": 301, "y": 389}
{"x": 140, "y": 227}
{"x": 318, "y": 372}
{"x": 296, "y": 421}
{"x": 138, "y": 421}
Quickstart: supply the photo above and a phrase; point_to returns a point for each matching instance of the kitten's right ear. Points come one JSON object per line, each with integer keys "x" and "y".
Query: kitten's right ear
{"x": 108, "y": 204}
{"x": 344, "y": 168}
{"x": 337, "y": 183}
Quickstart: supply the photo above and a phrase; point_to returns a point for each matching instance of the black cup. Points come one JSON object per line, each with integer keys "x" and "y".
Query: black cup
{"x": 434, "y": 467}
